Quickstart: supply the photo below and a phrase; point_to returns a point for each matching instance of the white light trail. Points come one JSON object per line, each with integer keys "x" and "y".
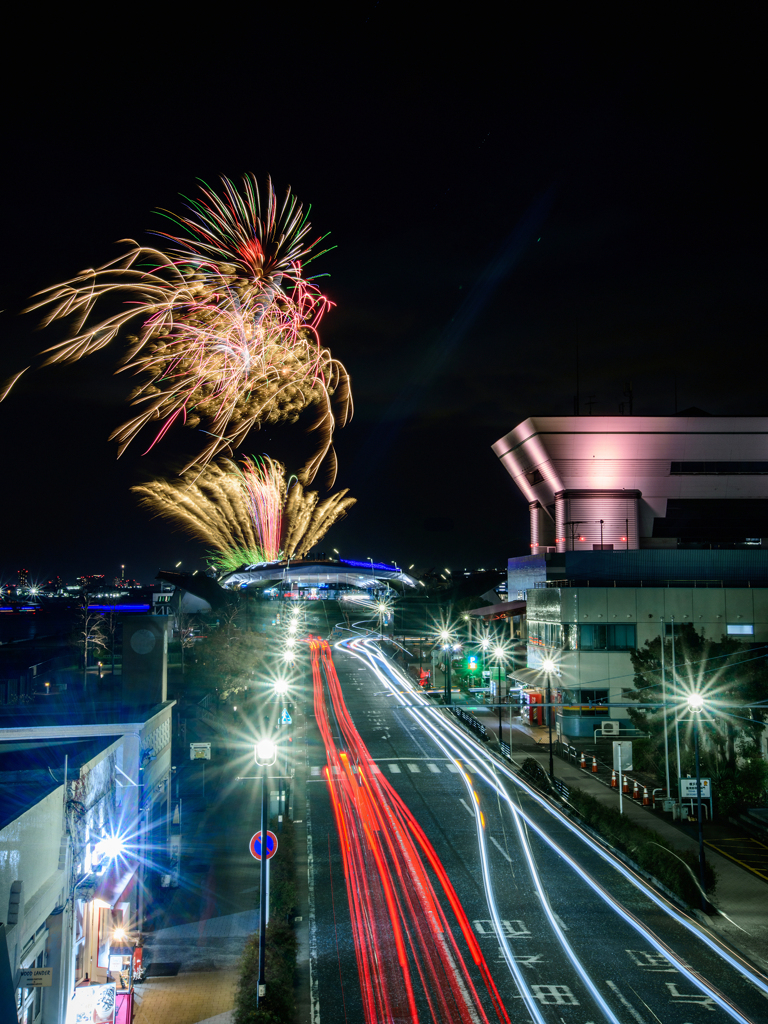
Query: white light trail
{"x": 462, "y": 741}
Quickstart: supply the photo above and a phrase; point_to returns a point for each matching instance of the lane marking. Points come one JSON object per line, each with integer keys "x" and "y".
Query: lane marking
{"x": 414, "y": 768}
{"x": 395, "y": 769}
{"x": 625, "y": 1002}
{"x": 434, "y": 768}
{"x": 452, "y": 768}
{"x": 500, "y": 848}
{"x": 467, "y": 807}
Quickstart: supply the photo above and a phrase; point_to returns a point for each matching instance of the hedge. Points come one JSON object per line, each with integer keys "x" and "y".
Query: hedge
{"x": 677, "y": 869}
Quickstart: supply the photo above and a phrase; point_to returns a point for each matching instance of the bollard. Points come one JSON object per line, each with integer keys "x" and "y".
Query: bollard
{"x": 594, "y": 766}
{"x": 583, "y": 762}
{"x": 614, "y": 781}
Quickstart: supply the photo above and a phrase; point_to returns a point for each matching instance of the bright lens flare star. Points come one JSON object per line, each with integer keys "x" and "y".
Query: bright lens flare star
{"x": 696, "y": 702}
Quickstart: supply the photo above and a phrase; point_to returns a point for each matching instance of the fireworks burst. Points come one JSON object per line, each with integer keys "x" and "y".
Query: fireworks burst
{"x": 228, "y": 336}
{"x": 247, "y": 515}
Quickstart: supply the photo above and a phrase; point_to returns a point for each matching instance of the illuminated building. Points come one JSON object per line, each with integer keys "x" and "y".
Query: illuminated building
{"x": 636, "y": 523}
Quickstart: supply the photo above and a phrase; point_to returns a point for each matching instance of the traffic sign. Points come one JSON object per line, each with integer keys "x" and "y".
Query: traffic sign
{"x": 285, "y": 718}
{"x": 255, "y": 845}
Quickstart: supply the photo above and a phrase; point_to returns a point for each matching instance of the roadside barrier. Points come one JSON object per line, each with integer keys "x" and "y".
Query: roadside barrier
{"x": 636, "y": 791}
{"x": 624, "y": 784}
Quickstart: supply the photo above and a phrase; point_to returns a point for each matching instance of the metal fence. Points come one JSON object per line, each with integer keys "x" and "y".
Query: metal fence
{"x": 471, "y": 721}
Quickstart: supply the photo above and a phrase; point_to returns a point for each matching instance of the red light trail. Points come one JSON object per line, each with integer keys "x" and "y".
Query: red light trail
{"x": 401, "y": 932}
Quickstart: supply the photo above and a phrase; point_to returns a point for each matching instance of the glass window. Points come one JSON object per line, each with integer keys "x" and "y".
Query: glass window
{"x": 740, "y": 629}
{"x": 621, "y": 637}
{"x": 592, "y": 638}
{"x": 596, "y": 699}
{"x": 607, "y": 638}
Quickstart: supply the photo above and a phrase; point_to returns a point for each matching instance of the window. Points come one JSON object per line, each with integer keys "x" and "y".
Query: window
{"x": 718, "y": 468}
{"x": 597, "y": 699}
{"x": 607, "y": 638}
{"x": 740, "y": 629}
{"x": 545, "y": 634}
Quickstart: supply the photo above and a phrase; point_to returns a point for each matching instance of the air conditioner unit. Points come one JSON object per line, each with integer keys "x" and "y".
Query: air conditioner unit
{"x": 610, "y": 728}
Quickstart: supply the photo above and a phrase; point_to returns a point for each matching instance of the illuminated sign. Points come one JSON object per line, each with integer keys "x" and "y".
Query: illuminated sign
{"x": 92, "y": 1004}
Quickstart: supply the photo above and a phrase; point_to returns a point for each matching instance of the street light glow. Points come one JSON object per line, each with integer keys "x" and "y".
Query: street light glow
{"x": 696, "y": 702}
{"x": 281, "y": 686}
{"x": 110, "y": 846}
{"x": 548, "y": 665}
{"x": 265, "y": 752}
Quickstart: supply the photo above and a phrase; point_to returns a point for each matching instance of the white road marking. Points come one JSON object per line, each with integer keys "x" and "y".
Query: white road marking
{"x": 436, "y": 770}
{"x": 501, "y": 849}
{"x": 452, "y": 768}
{"x": 468, "y": 808}
{"x": 560, "y": 921}
{"x": 315, "y": 770}
{"x": 394, "y": 768}
{"x": 625, "y": 1002}
{"x": 559, "y": 995}
{"x": 414, "y": 768}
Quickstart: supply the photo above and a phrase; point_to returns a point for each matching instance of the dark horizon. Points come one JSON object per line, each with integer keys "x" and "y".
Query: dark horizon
{"x": 494, "y": 207}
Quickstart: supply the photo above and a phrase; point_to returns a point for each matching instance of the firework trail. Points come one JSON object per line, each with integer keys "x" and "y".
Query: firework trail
{"x": 227, "y": 324}
{"x": 247, "y": 515}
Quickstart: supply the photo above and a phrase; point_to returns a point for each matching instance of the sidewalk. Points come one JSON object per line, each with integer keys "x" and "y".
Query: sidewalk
{"x": 741, "y": 898}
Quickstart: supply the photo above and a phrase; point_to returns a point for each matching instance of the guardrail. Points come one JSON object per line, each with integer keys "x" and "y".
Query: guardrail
{"x": 469, "y": 720}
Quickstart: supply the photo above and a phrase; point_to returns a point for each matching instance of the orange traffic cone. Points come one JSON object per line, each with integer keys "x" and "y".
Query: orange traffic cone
{"x": 646, "y": 801}
{"x": 614, "y": 780}
{"x": 636, "y": 791}
{"x": 583, "y": 762}
{"x": 594, "y": 766}
{"x": 625, "y": 784}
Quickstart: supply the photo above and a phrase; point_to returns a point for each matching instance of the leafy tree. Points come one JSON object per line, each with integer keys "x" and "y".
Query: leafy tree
{"x": 726, "y": 671}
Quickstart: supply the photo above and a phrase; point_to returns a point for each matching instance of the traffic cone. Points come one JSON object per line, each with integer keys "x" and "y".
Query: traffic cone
{"x": 594, "y": 766}
{"x": 625, "y": 784}
{"x": 583, "y": 762}
{"x": 646, "y": 801}
{"x": 636, "y": 791}
{"x": 614, "y": 780}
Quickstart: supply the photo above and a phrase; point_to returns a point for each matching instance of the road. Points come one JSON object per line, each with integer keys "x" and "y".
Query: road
{"x": 569, "y": 935}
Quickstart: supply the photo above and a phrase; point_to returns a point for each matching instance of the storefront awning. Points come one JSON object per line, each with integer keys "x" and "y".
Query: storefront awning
{"x": 499, "y": 611}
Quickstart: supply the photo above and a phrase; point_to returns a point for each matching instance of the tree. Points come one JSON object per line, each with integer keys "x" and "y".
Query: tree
{"x": 724, "y": 672}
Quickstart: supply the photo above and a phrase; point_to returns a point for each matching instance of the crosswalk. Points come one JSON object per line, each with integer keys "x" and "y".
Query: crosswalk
{"x": 396, "y": 769}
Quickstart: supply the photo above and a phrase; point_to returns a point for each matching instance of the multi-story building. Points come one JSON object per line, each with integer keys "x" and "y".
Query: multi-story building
{"x": 637, "y": 524}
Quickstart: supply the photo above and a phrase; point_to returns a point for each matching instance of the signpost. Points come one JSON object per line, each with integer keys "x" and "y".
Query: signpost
{"x": 688, "y": 790}
{"x": 255, "y": 847}
{"x": 285, "y": 718}
{"x": 622, "y": 759}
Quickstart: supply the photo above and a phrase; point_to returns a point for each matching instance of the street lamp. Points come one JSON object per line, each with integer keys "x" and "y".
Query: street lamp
{"x": 549, "y": 667}
{"x": 265, "y": 754}
{"x": 500, "y": 656}
{"x": 696, "y": 705}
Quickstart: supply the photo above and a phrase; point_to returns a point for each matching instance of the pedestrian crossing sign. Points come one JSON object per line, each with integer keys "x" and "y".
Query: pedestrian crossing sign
{"x": 285, "y": 718}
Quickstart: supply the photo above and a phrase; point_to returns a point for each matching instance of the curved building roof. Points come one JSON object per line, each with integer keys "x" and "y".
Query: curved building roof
{"x": 363, "y": 575}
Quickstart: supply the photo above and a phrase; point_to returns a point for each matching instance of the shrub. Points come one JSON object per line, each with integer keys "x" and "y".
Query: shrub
{"x": 678, "y": 870}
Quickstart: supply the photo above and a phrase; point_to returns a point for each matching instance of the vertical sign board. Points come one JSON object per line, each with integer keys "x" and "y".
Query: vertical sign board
{"x": 622, "y": 755}
{"x": 200, "y": 751}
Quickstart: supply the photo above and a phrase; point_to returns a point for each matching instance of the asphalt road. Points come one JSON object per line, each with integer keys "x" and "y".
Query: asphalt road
{"x": 610, "y": 970}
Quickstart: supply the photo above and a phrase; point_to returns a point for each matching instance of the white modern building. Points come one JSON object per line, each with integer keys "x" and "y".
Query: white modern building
{"x": 637, "y": 523}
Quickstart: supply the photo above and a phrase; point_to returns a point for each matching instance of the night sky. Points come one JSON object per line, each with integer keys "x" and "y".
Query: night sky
{"x": 499, "y": 195}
